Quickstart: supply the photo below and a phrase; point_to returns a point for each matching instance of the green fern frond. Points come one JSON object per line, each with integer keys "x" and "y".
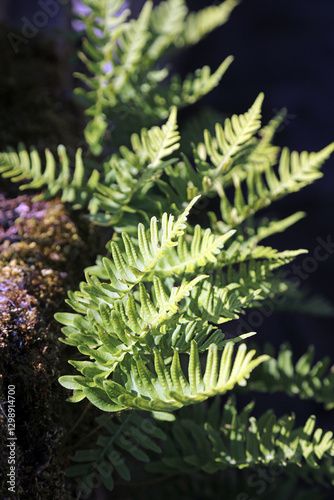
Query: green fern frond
{"x": 56, "y": 176}
{"x": 217, "y": 159}
{"x": 129, "y": 175}
{"x": 134, "y": 385}
{"x": 199, "y": 24}
{"x": 217, "y": 304}
{"x": 124, "y": 438}
{"x": 236, "y": 440}
{"x": 230, "y": 139}
{"x": 123, "y": 74}
{"x": 192, "y": 252}
{"x": 168, "y": 389}
{"x": 303, "y": 378}
{"x": 195, "y": 86}
{"x": 157, "y": 143}
{"x": 295, "y": 171}
{"x": 131, "y": 46}
{"x": 129, "y": 267}
{"x": 167, "y": 23}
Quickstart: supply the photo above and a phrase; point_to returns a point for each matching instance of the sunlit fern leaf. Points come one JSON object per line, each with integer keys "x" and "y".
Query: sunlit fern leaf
{"x": 263, "y": 152}
{"x": 195, "y": 86}
{"x": 124, "y": 79}
{"x": 132, "y": 172}
{"x": 106, "y": 12}
{"x": 295, "y": 171}
{"x": 192, "y": 252}
{"x": 131, "y": 46}
{"x": 168, "y": 389}
{"x": 157, "y": 143}
{"x": 129, "y": 267}
{"x": 201, "y": 332}
{"x": 199, "y": 24}
{"x": 230, "y": 139}
{"x": 107, "y": 333}
{"x": 219, "y": 304}
{"x": 251, "y": 151}
{"x": 167, "y": 24}
{"x": 56, "y": 175}
{"x": 103, "y": 28}
{"x": 245, "y": 250}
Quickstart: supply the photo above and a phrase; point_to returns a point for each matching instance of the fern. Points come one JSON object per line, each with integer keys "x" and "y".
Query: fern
{"x": 237, "y": 132}
{"x": 170, "y": 390}
{"x": 130, "y": 52}
{"x": 74, "y": 187}
{"x": 216, "y": 442}
{"x": 128, "y": 436}
{"x": 199, "y": 24}
{"x": 303, "y": 379}
{"x": 295, "y": 171}
{"x": 152, "y": 319}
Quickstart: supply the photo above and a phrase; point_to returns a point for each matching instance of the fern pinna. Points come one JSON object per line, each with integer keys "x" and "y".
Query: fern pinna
{"x": 149, "y": 319}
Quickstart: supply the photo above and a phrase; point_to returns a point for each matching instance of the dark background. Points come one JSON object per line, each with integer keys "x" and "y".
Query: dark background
{"x": 286, "y": 50}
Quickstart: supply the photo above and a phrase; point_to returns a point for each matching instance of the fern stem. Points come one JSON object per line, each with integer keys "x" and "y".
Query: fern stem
{"x": 76, "y": 423}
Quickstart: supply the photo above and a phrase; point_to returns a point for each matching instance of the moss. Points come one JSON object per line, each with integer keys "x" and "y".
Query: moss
{"x": 42, "y": 254}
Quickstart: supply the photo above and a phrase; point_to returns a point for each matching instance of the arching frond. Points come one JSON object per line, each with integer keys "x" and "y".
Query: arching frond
{"x": 130, "y": 174}
{"x": 199, "y": 24}
{"x": 131, "y": 46}
{"x": 56, "y": 175}
{"x": 195, "y": 86}
{"x": 192, "y": 251}
{"x": 231, "y": 138}
{"x": 124, "y": 79}
{"x": 168, "y": 389}
{"x": 305, "y": 379}
{"x": 295, "y": 171}
{"x": 167, "y": 23}
{"x": 128, "y": 267}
